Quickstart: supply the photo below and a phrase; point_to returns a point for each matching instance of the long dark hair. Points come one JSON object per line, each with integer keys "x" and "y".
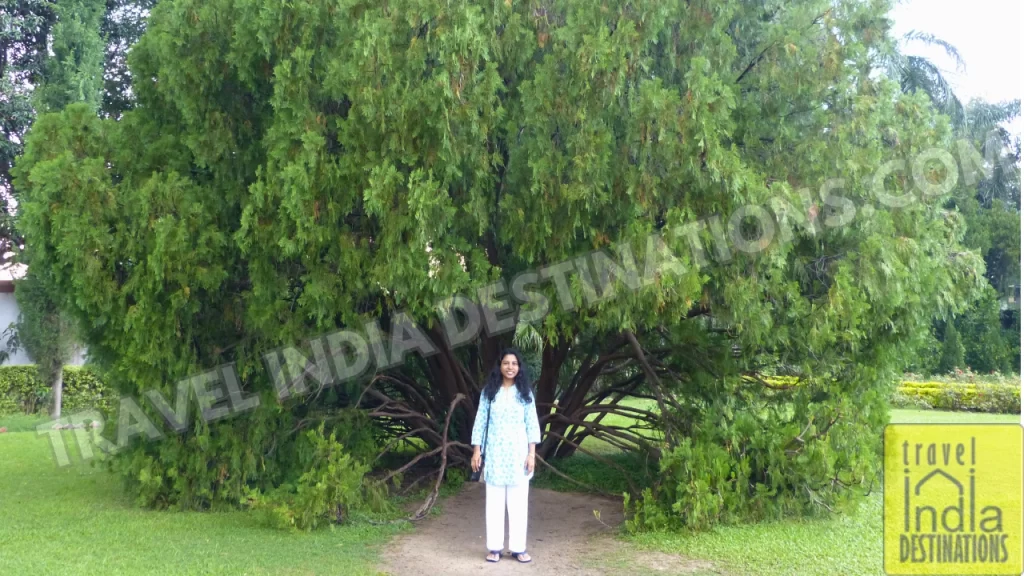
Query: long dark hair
{"x": 495, "y": 378}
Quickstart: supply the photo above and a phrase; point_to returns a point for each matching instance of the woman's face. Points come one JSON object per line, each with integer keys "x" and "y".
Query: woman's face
{"x": 509, "y": 366}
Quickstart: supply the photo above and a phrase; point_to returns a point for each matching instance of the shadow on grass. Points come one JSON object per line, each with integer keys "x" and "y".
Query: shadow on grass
{"x": 639, "y": 468}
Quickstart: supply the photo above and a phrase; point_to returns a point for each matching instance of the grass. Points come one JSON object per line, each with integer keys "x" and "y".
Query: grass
{"x": 942, "y": 417}
{"x": 849, "y": 545}
{"x": 596, "y": 473}
{"x": 22, "y": 422}
{"x": 76, "y": 520}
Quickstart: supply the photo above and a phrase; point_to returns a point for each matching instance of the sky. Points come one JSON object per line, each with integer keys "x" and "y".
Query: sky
{"x": 987, "y": 33}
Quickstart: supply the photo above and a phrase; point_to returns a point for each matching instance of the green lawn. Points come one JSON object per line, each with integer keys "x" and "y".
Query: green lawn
{"x": 75, "y": 520}
{"x": 845, "y": 545}
{"x": 940, "y": 417}
{"x": 22, "y": 422}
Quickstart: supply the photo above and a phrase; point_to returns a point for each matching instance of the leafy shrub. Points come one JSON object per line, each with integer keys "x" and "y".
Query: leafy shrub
{"x": 909, "y": 401}
{"x": 756, "y": 456}
{"x": 83, "y": 390}
{"x": 968, "y": 396}
{"x": 965, "y": 375}
{"x": 333, "y": 486}
{"x": 353, "y": 429}
{"x": 997, "y": 399}
{"x": 21, "y": 391}
{"x": 968, "y": 375}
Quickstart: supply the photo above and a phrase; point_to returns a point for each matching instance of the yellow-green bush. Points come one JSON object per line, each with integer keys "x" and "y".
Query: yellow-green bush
{"x": 974, "y": 397}
{"x": 999, "y": 395}
{"x": 21, "y": 391}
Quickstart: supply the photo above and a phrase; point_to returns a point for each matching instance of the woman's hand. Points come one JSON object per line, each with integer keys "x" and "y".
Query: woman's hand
{"x": 475, "y": 461}
{"x": 530, "y": 462}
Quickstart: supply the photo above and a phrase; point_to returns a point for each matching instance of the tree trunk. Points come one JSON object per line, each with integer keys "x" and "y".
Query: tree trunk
{"x": 58, "y": 392}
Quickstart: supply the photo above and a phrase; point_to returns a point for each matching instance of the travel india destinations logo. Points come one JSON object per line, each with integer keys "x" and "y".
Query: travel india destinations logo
{"x": 952, "y": 502}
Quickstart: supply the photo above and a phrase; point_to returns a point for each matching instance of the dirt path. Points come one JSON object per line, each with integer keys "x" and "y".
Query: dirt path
{"x": 564, "y": 538}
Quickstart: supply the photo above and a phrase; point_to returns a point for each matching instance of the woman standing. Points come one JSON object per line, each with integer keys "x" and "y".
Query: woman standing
{"x": 506, "y": 426}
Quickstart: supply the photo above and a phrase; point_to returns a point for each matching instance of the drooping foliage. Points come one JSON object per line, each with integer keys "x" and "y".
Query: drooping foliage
{"x": 288, "y": 164}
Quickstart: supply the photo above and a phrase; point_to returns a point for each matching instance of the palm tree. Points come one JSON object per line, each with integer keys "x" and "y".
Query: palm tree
{"x": 981, "y": 123}
{"x": 985, "y": 127}
{"x": 917, "y": 73}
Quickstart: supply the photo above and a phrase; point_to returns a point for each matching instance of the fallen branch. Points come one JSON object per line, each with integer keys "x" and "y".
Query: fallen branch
{"x": 414, "y": 484}
{"x": 621, "y": 410}
{"x": 432, "y": 498}
{"x": 411, "y": 463}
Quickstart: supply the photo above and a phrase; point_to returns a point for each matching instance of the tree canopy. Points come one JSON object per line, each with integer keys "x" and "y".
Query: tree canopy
{"x": 287, "y": 165}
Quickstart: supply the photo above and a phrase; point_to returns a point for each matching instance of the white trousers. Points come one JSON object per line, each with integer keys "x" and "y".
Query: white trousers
{"x": 514, "y": 499}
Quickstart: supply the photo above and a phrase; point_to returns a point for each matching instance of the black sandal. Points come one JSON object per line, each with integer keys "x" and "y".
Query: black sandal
{"x": 519, "y": 556}
{"x": 496, "y": 553}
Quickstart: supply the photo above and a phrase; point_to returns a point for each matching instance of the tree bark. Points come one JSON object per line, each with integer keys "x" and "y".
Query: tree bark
{"x": 572, "y": 400}
{"x": 552, "y": 358}
{"x": 58, "y": 392}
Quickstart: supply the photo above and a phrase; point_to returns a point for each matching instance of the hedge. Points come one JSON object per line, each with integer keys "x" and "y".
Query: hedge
{"x": 22, "y": 391}
{"x": 994, "y": 397}
{"x": 966, "y": 396}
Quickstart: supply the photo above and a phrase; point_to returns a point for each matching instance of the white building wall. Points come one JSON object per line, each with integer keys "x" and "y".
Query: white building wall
{"x": 8, "y": 315}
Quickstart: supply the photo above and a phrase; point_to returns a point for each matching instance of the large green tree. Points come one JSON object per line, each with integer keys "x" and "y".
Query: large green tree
{"x": 72, "y": 74}
{"x": 990, "y": 203}
{"x": 26, "y": 36}
{"x": 288, "y": 164}
{"x": 987, "y": 127}
{"x": 918, "y": 73}
{"x": 24, "y": 32}
{"x": 124, "y": 21}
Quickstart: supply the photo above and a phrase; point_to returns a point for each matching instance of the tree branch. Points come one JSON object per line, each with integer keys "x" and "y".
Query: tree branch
{"x": 653, "y": 379}
{"x": 432, "y": 498}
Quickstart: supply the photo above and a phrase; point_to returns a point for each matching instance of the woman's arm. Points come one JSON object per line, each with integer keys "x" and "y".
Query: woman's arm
{"x": 483, "y": 410}
{"x": 532, "y": 433}
{"x": 532, "y": 423}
